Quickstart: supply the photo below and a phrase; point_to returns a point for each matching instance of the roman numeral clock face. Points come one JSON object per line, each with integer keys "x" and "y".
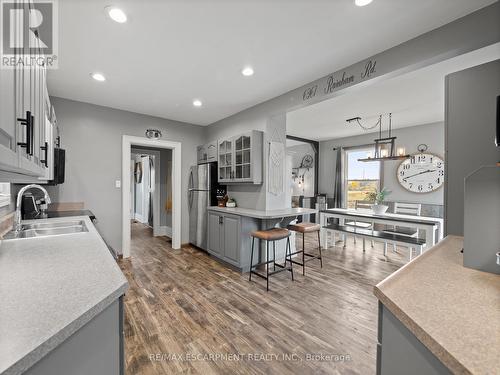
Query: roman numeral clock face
{"x": 422, "y": 173}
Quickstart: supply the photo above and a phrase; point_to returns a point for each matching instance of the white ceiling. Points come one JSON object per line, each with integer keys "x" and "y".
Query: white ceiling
{"x": 415, "y": 98}
{"x": 170, "y": 52}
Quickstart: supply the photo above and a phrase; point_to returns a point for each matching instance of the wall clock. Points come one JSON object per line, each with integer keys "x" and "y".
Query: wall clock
{"x": 421, "y": 173}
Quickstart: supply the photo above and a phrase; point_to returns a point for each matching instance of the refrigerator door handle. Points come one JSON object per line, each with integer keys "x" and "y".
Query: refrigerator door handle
{"x": 190, "y": 185}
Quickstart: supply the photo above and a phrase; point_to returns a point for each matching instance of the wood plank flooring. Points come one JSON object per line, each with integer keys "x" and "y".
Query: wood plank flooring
{"x": 188, "y": 314}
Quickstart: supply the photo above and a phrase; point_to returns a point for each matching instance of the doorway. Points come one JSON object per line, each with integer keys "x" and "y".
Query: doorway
{"x": 141, "y": 147}
{"x": 150, "y": 187}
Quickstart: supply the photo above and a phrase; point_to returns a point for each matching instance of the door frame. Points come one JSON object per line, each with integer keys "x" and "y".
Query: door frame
{"x": 127, "y": 142}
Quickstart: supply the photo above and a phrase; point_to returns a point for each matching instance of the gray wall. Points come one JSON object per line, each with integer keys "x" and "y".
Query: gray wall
{"x": 470, "y": 120}
{"x": 410, "y": 138}
{"x": 92, "y": 137}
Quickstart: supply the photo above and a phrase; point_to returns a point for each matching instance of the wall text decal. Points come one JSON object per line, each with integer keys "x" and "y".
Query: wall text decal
{"x": 333, "y": 82}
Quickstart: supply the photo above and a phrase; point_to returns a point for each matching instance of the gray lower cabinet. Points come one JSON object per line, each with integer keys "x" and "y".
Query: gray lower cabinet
{"x": 215, "y": 240}
{"x": 96, "y": 348}
{"x": 400, "y": 352}
{"x": 232, "y": 232}
{"x": 229, "y": 238}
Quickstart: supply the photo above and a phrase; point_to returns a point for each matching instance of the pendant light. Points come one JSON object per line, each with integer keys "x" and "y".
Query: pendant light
{"x": 384, "y": 147}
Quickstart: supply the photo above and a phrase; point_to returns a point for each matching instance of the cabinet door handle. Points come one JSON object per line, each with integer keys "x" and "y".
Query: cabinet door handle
{"x": 31, "y": 135}
{"x": 221, "y": 220}
{"x": 29, "y": 130}
{"x": 45, "y": 160}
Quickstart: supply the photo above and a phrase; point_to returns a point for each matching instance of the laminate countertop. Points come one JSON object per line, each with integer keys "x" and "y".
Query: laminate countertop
{"x": 49, "y": 288}
{"x": 264, "y": 214}
{"x": 451, "y": 309}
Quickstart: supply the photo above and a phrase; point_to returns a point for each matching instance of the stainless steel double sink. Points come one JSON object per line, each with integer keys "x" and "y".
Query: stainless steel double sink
{"x": 45, "y": 229}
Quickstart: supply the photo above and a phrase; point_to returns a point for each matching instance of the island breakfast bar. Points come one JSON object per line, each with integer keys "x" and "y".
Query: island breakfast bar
{"x": 229, "y": 232}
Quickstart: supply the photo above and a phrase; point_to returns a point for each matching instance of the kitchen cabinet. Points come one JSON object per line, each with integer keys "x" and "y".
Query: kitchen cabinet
{"x": 24, "y": 133}
{"x": 8, "y": 139}
{"x": 229, "y": 238}
{"x": 400, "y": 352}
{"x": 96, "y": 348}
{"x": 207, "y": 153}
{"x": 240, "y": 158}
{"x": 48, "y": 151}
{"x": 215, "y": 241}
{"x": 232, "y": 229}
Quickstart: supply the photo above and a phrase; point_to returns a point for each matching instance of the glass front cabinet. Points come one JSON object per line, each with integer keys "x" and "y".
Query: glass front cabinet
{"x": 240, "y": 158}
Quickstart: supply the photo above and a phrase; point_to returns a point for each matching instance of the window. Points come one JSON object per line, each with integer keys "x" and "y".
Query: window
{"x": 361, "y": 177}
{"x": 4, "y": 194}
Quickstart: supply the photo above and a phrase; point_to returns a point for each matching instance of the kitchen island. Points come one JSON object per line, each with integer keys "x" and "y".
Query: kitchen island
{"x": 62, "y": 310}
{"x": 438, "y": 317}
{"x": 265, "y": 214}
{"x": 229, "y": 232}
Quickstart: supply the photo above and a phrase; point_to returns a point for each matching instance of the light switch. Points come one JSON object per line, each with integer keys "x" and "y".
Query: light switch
{"x": 118, "y": 184}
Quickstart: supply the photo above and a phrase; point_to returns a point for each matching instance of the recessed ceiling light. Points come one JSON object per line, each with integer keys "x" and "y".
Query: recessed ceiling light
{"x": 247, "y": 71}
{"x": 98, "y": 77}
{"x": 116, "y": 14}
{"x": 197, "y": 103}
{"x": 362, "y": 3}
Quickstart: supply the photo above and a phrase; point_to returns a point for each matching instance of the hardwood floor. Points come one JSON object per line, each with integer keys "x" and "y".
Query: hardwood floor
{"x": 183, "y": 306}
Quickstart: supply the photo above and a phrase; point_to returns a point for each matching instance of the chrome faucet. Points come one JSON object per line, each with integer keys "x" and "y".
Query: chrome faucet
{"x": 17, "y": 217}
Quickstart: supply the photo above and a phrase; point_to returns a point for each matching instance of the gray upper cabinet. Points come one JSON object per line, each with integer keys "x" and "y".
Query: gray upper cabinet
{"x": 240, "y": 158}
{"x": 8, "y": 155}
{"x": 25, "y": 136}
{"x": 207, "y": 153}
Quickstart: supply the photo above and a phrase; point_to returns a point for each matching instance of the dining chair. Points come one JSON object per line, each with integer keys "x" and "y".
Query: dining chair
{"x": 361, "y": 205}
{"x": 413, "y": 209}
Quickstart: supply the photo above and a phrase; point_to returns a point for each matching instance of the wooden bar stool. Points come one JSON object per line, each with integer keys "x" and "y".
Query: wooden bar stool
{"x": 271, "y": 235}
{"x": 307, "y": 228}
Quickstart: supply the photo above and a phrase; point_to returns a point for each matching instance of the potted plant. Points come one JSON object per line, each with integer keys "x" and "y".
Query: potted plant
{"x": 378, "y": 197}
{"x": 231, "y": 202}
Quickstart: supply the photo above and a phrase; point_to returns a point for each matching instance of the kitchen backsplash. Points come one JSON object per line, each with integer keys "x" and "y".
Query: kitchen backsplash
{"x": 6, "y": 217}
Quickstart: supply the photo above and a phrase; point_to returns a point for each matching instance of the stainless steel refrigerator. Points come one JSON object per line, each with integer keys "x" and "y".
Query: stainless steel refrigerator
{"x": 202, "y": 193}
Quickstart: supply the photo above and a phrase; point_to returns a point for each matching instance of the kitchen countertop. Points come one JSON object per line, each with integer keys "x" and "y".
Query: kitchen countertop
{"x": 264, "y": 214}
{"x": 49, "y": 288}
{"x": 451, "y": 309}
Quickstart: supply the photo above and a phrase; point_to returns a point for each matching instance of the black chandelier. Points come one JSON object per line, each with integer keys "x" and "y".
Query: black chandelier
{"x": 384, "y": 147}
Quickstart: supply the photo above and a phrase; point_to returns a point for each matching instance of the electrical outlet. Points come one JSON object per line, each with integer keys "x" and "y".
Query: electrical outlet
{"x": 118, "y": 184}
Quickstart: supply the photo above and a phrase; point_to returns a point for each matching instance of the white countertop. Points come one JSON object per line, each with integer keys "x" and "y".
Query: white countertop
{"x": 386, "y": 216}
{"x": 264, "y": 214}
{"x": 49, "y": 288}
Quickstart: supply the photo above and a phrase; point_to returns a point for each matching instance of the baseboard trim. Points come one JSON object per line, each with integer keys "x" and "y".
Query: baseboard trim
{"x": 139, "y": 218}
{"x": 164, "y": 231}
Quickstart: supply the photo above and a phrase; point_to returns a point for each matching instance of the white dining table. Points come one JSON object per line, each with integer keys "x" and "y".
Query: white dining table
{"x": 433, "y": 226}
